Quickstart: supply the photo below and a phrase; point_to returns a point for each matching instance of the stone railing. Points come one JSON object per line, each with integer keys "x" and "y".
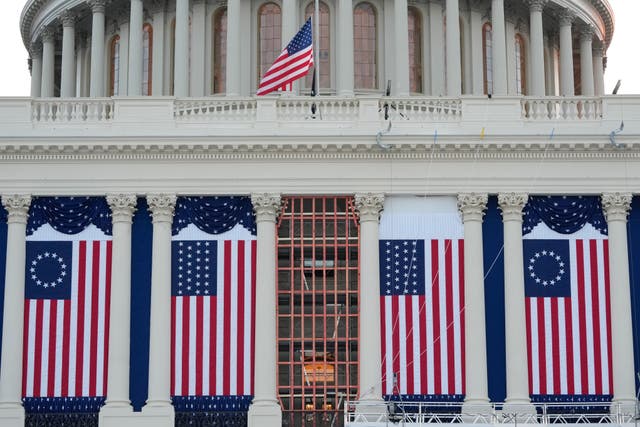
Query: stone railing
{"x": 215, "y": 109}
{"x": 331, "y": 109}
{"x": 562, "y": 108}
{"x": 422, "y": 109}
{"x": 72, "y": 110}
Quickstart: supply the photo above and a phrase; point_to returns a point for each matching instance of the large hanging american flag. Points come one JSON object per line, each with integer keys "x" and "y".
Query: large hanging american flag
{"x": 421, "y": 301}
{"x": 567, "y": 311}
{"x": 66, "y": 316}
{"x": 213, "y": 312}
{"x": 292, "y": 64}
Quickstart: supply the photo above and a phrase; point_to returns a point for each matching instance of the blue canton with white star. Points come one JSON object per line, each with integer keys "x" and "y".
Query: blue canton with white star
{"x": 193, "y": 268}
{"x": 302, "y": 40}
{"x": 402, "y": 267}
{"x": 547, "y": 271}
{"x": 48, "y": 270}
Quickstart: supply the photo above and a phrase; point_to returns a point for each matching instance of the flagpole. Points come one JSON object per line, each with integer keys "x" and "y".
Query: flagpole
{"x": 316, "y": 48}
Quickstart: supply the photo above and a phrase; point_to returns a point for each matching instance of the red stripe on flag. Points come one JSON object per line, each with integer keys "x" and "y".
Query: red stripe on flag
{"x": 383, "y": 344}
{"x": 568, "y": 319}
{"x": 37, "y": 360}
{"x": 395, "y": 330}
{"x": 213, "y": 336}
{"x": 607, "y": 293}
{"x": 527, "y": 307}
{"x": 186, "y": 327}
{"x": 408, "y": 308}
{"x": 435, "y": 286}
{"x": 555, "y": 345}
{"x": 595, "y": 315}
{"x": 241, "y": 288}
{"x": 51, "y": 371}
{"x": 173, "y": 345}
{"x": 462, "y": 314}
{"x": 93, "y": 350}
{"x": 451, "y": 380}
{"x": 253, "y": 310}
{"x": 82, "y": 271}
{"x": 107, "y": 315}
{"x": 422, "y": 301}
{"x": 582, "y": 319}
{"x": 25, "y": 346}
{"x": 226, "y": 367}
{"x": 199, "y": 343}
{"x": 542, "y": 351}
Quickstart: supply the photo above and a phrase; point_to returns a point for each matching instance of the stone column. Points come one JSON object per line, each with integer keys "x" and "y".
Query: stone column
{"x": 536, "y": 46}
{"x": 499, "y": 48}
{"x": 159, "y": 397}
{"x": 586, "y": 61}
{"x": 11, "y": 410}
{"x": 598, "y": 70}
{"x": 401, "y": 48}
{"x": 122, "y": 207}
{"x": 344, "y": 79}
{"x": 454, "y": 64}
{"x": 517, "y": 400}
{"x": 36, "y": 70}
{"x": 181, "y": 56}
{"x": 265, "y": 410}
{"x": 436, "y": 62}
{"x": 233, "y": 48}
{"x": 369, "y": 206}
{"x": 616, "y": 208}
{"x": 48, "y": 62}
{"x": 136, "y": 16}
{"x": 68, "y": 78}
{"x": 477, "y": 66}
{"x": 198, "y": 24}
{"x": 289, "y": 28}
{"x": 157, "y": 72}
{"x": 566, "y": 54}
{"x": 472, "y": 207}
{"x": 96, "y": 88}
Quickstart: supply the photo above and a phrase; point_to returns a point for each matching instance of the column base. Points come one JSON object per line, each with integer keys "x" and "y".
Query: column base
{"x": 117, "y": 415}
{"x": 375, "y": 411}
{"x": 477, "y": 411}
{"x": 519, "y": 410}
{"x": 11, "y": 415}
{"x": 265, "y": 413}
{"x": 159, "y": 414}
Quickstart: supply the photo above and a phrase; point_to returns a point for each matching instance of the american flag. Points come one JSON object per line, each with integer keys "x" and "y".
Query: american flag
{"x": 292, "y": 64}
{"x": 66, "y": 318}
{"x": 568, "y": 316}
{"x": 212, "y": 317}
{"x": 421, "y": 300}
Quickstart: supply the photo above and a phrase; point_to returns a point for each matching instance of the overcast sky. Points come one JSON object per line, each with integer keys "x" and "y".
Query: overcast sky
{"x": 623, "y": 62}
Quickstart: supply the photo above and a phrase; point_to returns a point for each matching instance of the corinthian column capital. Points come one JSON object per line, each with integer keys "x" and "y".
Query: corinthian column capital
{"x": 97, "y": 6}
{"x": 48, "y": 35}
{"x": 123, "y": 206}
{"x": 566, "y": 17}
{"x": 586, "y": 32}
{"x": 68, "y": 18}
{"x": 536, "y": 5}
{"x": 162, "y": 206}
{"x": 511, "y": 205}
{"x": 616, "y": 206}
{"x": 472, "y": 206}
{"x": 369, "y": 206}
{"x": 17, "y": 206}
{"x": 266, "y": 206}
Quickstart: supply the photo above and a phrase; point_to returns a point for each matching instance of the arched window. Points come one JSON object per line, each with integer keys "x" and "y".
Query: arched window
{"x": 220, "y": 50}
{"x": 415, "y": 50}
{"x": 269, "y": 36}
{"x": 487, "y": 57}
{"x": 325, "y": 43}
{"x": 114, "y": 66}
{"x": 365, "y": 47}
{"x": 520, "y": 66}
{"x": 147, "y": 48}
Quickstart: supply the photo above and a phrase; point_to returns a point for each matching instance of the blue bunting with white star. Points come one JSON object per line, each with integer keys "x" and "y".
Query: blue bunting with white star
{"x": 69, "y": 215}
{"x": 214, "y": 214}
{"x": 563, "y": 214}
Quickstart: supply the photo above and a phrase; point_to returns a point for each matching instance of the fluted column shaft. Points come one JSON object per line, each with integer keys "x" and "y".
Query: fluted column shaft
{"x": 401, "y": 38}
{"x": 36, "y": 71}
{"x": 48, "y": 63}
{"x": 68, "y": 73}
{"x": 499, "y": 48}
{"x": 265, "y": 410}
{"x": 566, "y": 54}
{"x": 181, "y": 62}
{"x": 472, "y": 207}
{"x": 122, "y": 210}
{"x": 536, "y": 47}
{"x": 517, "y": 399}
{"x": 162, "y": 208}
{"x": 454, "y": 64}
{"x": 616, "y": 208}
{"x": 598, "y": 71}
{"x": 344, "y": 79}
{"x": 369, "y": 207}
{"x": 586, "y": 62}
{"x": 17, "y": 207}
{"x": 96, "y": 88}
{"x": 134, "y": 87}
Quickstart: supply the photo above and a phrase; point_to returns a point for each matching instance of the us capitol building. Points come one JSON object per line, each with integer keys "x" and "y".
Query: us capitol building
{"x": 445, "y": 234}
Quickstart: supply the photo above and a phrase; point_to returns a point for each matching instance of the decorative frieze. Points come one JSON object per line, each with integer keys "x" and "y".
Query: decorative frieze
{"x": 472, "y": 206}
{"x": 616, "y": 206}
{"x": 266, "y": 206}
{"x": 369, "y": 205}
{"x": 17, "y": 206}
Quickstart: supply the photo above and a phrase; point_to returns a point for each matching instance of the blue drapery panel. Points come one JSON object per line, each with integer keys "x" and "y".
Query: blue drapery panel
{"x": 211, "y": 403}
{"x": 214, "y": 214}
{"x": 42, "y": 405}
{"x": 563, "y": 214}
{"x": 69, "y": 215}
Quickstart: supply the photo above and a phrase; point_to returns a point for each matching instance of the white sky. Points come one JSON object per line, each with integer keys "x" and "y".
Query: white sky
{"x": 623, "y": 62}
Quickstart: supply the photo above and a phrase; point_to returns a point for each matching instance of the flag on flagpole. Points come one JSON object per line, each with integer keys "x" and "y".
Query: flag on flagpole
{"x": 292, "y": 64}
